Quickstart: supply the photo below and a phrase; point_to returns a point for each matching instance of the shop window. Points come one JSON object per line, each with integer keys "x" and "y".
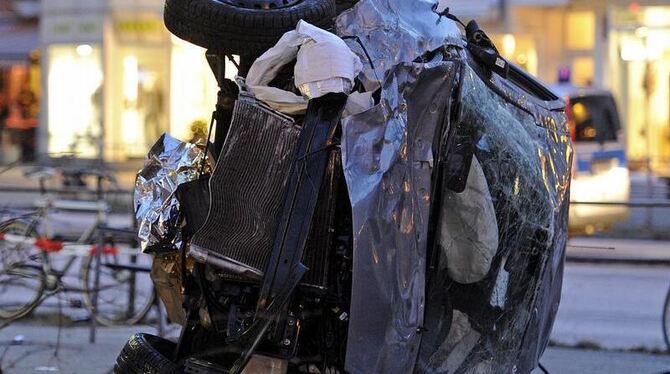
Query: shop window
{"x": 583, "y": 71}
{"x": 581, "y": 30}
{"x": 193, "y": 90}
{"x": 75, "y": 99}
{"x": 138, "y": 98}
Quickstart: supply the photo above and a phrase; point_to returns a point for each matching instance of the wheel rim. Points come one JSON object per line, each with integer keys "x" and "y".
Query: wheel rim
{"x": 21, "y": 277}
{"x": 261, "y": 4}
{"x": 114, "y": 303}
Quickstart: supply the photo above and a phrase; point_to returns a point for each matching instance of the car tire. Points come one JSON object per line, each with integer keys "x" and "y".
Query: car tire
{"x": 146, "y": 354}
{"x": 222, "y": 27}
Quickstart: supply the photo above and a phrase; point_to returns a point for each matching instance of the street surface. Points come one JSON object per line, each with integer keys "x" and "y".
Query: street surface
{"x": 607, "y": 306}
{"x": 612, "y": 306}
{"x": 36, "y": 353}
{"x": 613, "y": 297}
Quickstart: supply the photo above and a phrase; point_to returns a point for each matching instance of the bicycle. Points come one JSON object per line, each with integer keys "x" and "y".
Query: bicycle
{"x": 28, "y": 277}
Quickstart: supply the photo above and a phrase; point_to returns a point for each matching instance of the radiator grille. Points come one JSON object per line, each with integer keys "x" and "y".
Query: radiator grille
{"x": 319, "y": 242}
{"x": 248, "y": 186}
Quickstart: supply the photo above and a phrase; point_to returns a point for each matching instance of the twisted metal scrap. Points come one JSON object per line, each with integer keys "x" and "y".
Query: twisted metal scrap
{"x": 170, "y": 163}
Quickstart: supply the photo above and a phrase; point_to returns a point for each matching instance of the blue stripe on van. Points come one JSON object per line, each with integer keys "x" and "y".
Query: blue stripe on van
{"x": 584, "y": 160}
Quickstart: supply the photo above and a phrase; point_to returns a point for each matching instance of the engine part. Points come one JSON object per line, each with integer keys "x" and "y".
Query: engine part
{"x": 249, "y": 183}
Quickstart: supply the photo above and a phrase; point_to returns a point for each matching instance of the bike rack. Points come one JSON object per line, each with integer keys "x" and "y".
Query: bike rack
{"x": 131, "y": 236}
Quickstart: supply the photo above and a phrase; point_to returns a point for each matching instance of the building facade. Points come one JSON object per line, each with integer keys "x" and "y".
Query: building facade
{"x": 115, "y": 79}
{"x": 623, "y": 46}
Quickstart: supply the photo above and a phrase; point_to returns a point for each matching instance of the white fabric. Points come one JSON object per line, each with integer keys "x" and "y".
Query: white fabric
{"x": 325, "y": 64}
{"x": 469, "y": 229}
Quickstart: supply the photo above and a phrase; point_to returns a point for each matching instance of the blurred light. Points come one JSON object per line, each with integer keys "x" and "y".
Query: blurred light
{"x": 131, "y": 78}
{"x": 132, "y": 127}
{"x": 656, "y": 43}
{"x": 656, "y": 16}
{"x": 74, "y": 82}
{"x": 84, "y": 50}
{"x": 642, "y": 31}
{"x": 634, "y": 7}
{"x": 522, "y": 59}
{"x": 564, "y": 74}
{"x": 509, "y": 45}
{"x": 580, "y": 112}
{"x": 590, "y": 133}
{"x": 632, "y": 49}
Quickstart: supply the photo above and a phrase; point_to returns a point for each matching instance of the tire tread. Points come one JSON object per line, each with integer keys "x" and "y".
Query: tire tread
{"x": 224, "y": 28}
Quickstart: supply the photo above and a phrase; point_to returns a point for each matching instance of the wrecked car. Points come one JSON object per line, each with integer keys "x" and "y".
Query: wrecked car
{"x": 384, "y": 194}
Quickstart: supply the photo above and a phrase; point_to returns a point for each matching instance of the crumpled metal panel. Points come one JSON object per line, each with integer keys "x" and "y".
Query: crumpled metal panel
{"x": 393, "y": 32}
{"x": 389, "y": 162}
{"x": 170, "y": 162}
{"x": 400, "y": 322}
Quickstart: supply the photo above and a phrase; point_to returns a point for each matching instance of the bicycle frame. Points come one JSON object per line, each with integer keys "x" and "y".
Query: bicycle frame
{"x": 39, "y": 223}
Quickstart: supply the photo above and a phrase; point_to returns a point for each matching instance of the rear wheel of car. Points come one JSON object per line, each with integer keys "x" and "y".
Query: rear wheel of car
{"x": 146, "y": 354}
{"x": 242, "y": 27}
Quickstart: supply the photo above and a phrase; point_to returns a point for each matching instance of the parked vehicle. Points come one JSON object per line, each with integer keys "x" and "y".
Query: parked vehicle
{"x": 601, "y": 165}
{"x": 406, "y": 213}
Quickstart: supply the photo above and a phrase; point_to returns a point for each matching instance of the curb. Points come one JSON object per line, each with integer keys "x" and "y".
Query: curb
{"x": 617, "y": 261}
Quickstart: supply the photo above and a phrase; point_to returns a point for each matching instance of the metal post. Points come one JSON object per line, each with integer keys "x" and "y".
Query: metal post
{"x": 161, "y": 317}
{"x": 132, "y": 289}
{"x": 96, "y": 284}
{"x": 101, "y": 218}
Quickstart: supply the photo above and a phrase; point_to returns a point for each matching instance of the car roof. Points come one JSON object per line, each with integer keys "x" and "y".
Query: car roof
{"x": 571, "y": 91}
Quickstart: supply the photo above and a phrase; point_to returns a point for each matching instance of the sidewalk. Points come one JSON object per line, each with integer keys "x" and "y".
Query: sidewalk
{"x": 629, "y": 251}
{"x": 77, "y": 356}
{"x": 18, "y": 191}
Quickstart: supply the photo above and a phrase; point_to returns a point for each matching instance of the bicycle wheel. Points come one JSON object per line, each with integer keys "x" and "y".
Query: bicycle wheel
{"x": 22, "y": 279}
{"x": 126, "y": 293}
{"x": 666, "y": 321}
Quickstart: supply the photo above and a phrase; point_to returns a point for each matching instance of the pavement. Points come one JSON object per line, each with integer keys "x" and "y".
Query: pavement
{"x": 609, "y": 250}
{"x": 616, "y": 307}
{"x": 573, "y": 361}
{"x": 613, "y": 296}
{"x": 19, "y": 191}
{"x": 26, "y": 348}
{"x": 29, "y": 348}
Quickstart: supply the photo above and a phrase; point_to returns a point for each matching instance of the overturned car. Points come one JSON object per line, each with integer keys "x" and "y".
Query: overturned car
{"x": 385, "y": 194}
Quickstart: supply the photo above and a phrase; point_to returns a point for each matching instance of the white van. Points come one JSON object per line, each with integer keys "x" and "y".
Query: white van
{"x": 600, "y": 173}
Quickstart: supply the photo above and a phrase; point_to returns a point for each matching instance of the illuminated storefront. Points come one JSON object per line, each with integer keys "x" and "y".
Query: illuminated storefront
{"x": 19, "y": 86}
{"x": 116, "y": 79}
{"x": 640, "y": 60}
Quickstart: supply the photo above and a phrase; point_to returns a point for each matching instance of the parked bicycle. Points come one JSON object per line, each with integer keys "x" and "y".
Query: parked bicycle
{"x": 29, "y": 244}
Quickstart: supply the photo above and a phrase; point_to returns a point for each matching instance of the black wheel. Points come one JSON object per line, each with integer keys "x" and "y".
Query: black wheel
{"x": 666, "y": 321}
{"x": 126, "y": 293}
{"x": 242, "y": 27}
{"x": 146, "y": 354}
{"x": 22, "y": 279}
